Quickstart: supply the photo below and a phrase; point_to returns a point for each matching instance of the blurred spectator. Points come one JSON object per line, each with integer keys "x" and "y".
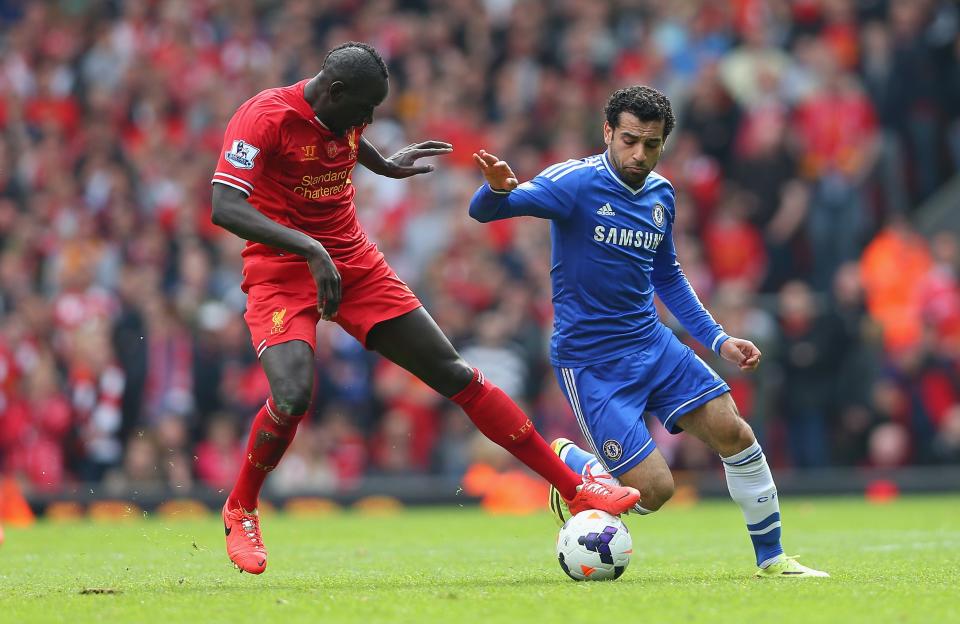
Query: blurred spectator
{"x": 96, "y": 385}
{"x": 893, "y": 267}
{"x": 735, "y": 249}
{"x": 857, "y": 349}
{"x": 802, "y": 128}
{"x": 947, "y": 444}
{"x": 37, "y": 426}
{"x": 889, "y": 446}
{"x": 809, "y": 363}
{"x": 493, "y": 352}
{"x": 220, "y": 453}
{"x": 451, "y": 454}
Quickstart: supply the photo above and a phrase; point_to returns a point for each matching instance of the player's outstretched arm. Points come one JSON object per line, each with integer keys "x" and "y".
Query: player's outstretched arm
{"x": 497, "y": 172}
{"x": 232, "y": 212}
{"x": 403, "y": 163}
{"x": 503, "y": 197}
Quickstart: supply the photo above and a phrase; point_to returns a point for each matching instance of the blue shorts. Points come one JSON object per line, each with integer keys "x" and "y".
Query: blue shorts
{"x": 609, "y": 399}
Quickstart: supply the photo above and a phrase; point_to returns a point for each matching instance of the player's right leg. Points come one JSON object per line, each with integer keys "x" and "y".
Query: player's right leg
{"x": 608, "y": 403}
{"x": 289, "y": 367}
{"x": 652, "y": 477}
{"x": 282, "y": 316}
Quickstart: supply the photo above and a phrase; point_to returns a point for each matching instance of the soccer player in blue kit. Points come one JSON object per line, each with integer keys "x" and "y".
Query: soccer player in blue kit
{"x": 611, "y": 229}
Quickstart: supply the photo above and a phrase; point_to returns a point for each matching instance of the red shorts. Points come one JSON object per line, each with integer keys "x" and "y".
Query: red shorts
{"x": 282, "y": 298}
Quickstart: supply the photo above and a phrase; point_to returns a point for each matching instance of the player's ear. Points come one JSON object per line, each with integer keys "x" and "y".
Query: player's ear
{"x": 337, "y": 90}
{"x": 607, "y": 133}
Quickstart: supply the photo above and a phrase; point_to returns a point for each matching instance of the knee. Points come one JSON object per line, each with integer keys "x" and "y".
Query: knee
{"x": 292, "y": 397}
{"x": 460, "y": 371}
{"x": 657, "y": 492}
{"x": 454, "y": 375}
{"x": 737, "y": 437}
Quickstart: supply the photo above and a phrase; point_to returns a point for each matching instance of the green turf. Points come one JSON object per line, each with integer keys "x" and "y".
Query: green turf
{"x": 890, "y": 563}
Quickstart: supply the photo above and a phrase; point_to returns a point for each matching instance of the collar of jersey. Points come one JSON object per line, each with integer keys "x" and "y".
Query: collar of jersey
{"x": 613, "y": 174}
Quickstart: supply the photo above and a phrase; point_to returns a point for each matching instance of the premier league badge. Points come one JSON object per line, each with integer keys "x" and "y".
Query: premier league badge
{"x": 241, "y": 154}
{"x": 658, "y": 214}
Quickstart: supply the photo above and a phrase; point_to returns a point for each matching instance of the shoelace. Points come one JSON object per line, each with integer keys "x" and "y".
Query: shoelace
{"x": 250, "y": 528}
{"x": 594, "y": 486}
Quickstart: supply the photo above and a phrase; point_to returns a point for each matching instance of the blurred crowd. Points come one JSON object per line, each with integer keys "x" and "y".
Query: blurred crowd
{"x": 810, "y": 132}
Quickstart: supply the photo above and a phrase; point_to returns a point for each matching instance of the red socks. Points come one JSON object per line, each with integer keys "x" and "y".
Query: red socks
{"x": 500, "y": 419}
{"x": 491, "y": 410}
{"x": 271, "y": 434}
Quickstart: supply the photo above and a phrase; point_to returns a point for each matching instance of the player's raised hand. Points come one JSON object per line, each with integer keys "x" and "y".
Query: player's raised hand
{"x": 498, "y": 173}
{"x": 741, "y": 352}
{"x": 327, "y": 277}
{"x": 403, "y": 163}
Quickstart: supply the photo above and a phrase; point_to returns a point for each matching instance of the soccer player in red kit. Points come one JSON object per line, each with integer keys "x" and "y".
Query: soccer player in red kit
{"x": 283, "y": 183}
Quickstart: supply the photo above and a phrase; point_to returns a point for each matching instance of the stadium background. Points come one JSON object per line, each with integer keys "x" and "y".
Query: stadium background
{"x": 813, "y": 159}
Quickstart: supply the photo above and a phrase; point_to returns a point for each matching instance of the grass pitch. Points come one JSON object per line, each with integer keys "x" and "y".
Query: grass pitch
{"x": 890, "y": 563}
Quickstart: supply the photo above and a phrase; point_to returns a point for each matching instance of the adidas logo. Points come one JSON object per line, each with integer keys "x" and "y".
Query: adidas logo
{"x": 606, "y": 211}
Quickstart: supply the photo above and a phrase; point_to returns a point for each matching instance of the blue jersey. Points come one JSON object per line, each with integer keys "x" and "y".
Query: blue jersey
{"x": 612, "y": 248}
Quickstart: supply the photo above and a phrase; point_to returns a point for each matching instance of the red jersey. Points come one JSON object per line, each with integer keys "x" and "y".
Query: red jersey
{"x": 295, "y": 171}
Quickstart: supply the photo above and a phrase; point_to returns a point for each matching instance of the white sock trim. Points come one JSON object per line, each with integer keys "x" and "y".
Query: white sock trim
{"x": 745, "y": 456}
{"x": 767, "y": 563}
{"x": 775, "y": 525}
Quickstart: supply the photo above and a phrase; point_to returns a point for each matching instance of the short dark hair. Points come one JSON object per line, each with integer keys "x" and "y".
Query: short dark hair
{"x": 355, "y": 57}
{"x": 646, "y": 103}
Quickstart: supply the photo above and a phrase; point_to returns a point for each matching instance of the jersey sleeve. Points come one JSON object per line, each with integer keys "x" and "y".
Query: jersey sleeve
{"x": 250, "y": 136}
{"x": 550, "y": 195}
{"x": 673, "y": 288}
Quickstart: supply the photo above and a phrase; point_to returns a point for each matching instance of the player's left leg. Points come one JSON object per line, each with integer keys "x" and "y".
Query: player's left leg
{"x": 718, "y": 424}
{"x": 415, "y": 342}
{"x": 652, "y": 477}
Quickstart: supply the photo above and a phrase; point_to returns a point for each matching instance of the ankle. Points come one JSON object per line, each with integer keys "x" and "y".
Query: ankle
{"x": 234, "y": 504}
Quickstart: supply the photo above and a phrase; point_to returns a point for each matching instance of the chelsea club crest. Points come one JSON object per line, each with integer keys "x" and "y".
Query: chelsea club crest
{"x": 612, "y": 449}
{"x": 658, "y": 214}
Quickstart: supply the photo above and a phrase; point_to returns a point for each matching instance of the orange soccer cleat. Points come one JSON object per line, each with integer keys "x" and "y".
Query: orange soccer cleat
{"x": 244, "y": 542}
{"x": 605, "y": 496}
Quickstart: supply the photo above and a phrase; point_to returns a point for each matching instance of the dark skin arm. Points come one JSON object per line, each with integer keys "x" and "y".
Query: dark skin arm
{"x": 402, "y": 164}
{"x": 232, "y": 212}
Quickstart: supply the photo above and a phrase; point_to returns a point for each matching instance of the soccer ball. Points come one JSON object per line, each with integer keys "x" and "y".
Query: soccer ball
{"x": 594, "y": 546}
